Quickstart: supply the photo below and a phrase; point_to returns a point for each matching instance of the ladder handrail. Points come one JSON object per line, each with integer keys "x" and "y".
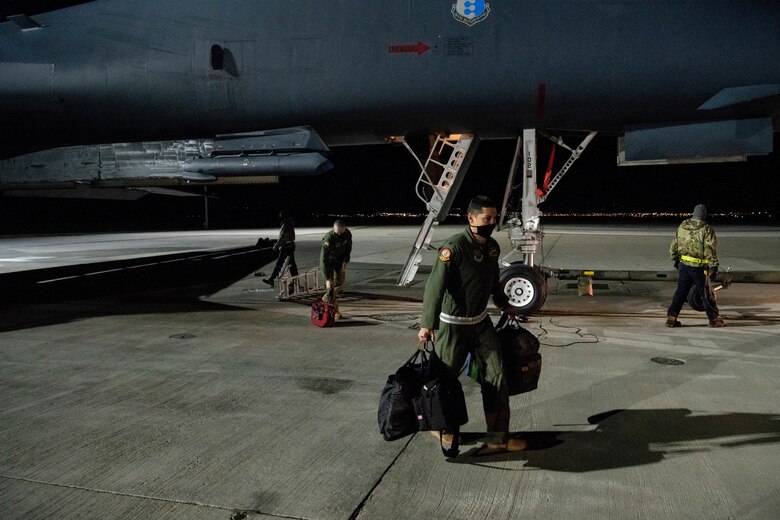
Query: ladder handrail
{"x": 444, "y": 191}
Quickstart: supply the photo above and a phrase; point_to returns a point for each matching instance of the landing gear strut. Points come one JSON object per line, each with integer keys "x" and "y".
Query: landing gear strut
{"x": 522, "y": 281}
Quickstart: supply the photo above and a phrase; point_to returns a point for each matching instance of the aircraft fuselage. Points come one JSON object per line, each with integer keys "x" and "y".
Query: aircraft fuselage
{"x": 360, "y": 70}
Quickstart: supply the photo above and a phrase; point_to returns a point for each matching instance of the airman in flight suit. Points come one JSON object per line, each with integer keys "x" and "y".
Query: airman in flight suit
{"x": 464, "y": 277}
{"x": 334, "y": 257}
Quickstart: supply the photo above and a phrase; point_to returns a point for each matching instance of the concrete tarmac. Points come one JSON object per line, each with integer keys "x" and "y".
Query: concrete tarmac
{"x": 153, "y": 376}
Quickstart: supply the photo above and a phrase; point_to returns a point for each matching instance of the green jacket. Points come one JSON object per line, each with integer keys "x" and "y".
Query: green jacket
{"x": 463, "y": 278}
{"x": 335, "y": 251}
{"x": 695, "y": 238}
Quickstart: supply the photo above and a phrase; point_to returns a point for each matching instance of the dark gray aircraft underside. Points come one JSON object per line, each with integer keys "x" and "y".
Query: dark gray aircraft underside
{"x": 660, "y": 73}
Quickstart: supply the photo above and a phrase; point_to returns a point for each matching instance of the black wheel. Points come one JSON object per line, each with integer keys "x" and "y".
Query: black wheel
{"x": 525, "y": 286}
{"x": 696, "y": 299}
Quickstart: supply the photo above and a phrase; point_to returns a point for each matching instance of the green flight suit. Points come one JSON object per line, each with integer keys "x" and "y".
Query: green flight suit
{"x": 335, "y": 252}
{"x": 463, "y": 279}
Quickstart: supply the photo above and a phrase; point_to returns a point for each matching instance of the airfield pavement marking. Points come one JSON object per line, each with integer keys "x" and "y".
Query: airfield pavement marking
{"x": 58, "y": 279}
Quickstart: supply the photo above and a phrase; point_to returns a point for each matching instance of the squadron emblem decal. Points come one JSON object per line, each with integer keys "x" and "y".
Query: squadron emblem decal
{"x": 470, "y": 11}
{"x": 445, "y": 255}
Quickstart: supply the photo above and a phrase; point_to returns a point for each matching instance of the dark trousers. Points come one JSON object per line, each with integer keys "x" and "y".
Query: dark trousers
{"x": 690, "y": 277}
{"x": 284, "y": 254}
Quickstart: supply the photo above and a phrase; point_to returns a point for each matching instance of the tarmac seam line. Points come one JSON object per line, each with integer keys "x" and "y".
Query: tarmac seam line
{"x": 147, "y": 497}
{"x": 365, "y": 500}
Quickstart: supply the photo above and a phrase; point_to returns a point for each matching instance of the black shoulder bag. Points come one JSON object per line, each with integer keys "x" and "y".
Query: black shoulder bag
{"x": 441, "y": 405}
{"x": 520, "y": 355}
{"x": 396, "y": 415}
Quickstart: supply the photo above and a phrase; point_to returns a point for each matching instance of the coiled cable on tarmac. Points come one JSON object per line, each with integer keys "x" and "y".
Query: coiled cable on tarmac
{"x": 578, "y": 332}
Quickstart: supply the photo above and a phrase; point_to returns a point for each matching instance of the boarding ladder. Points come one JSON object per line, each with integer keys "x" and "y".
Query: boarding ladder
{"x": 449, "y": 176}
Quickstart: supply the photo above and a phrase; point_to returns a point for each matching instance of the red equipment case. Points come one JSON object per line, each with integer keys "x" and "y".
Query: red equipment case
{"x": 323, "y": 314}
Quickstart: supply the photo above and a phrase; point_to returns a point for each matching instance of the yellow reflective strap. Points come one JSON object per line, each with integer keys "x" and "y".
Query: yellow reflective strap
{"x": 686, "y": 258}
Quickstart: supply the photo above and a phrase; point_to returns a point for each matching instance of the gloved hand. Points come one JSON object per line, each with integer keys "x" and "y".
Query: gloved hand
{"x": 677, "y": 262}
{"x": 713, "y": 273}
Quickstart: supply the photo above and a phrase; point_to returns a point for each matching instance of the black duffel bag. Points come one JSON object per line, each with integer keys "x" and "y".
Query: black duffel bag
{"x": 441, "y": 405}
{"x": 396, "y": 415}
{"x": 520, "y": 355}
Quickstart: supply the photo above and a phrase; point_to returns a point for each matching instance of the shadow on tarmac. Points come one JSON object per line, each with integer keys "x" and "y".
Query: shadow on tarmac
{"x": 624, "y": 438}
{"x": 166, "y": 283}
{"x": 348, "y": 324}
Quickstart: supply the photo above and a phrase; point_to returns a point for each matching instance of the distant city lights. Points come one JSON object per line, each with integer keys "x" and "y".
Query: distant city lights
{"x": 631, "y": 214}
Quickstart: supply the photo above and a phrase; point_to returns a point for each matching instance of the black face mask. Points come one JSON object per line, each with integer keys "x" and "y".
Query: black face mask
{"x": 486, "y": 230}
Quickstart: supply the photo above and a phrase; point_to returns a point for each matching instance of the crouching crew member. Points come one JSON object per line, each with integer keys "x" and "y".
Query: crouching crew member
{"x": 334, "y": 257}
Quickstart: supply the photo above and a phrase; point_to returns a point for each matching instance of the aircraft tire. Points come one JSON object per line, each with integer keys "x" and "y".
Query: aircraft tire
{"x": 525, "y": 286}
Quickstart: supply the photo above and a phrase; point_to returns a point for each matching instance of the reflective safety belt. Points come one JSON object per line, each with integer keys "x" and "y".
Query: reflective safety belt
{"x": 693, "y": 260}
{"x": 463, "y": 320}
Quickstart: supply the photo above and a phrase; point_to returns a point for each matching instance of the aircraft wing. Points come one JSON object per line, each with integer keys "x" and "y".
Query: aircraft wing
{"x": 256, "y": 157}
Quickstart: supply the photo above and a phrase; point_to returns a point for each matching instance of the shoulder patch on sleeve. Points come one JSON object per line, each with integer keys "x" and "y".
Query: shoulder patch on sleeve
{"x": 445, "y": 254}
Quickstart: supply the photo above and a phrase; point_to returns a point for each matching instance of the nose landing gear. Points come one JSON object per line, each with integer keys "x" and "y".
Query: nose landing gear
{"x": 525, "y": 286}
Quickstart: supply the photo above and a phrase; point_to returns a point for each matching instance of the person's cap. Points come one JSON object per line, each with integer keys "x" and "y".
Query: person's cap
{"x": 700, "y": 212}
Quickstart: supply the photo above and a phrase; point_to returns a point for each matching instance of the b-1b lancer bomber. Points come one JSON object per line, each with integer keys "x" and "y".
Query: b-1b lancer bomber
{"x": 137, "y": 92}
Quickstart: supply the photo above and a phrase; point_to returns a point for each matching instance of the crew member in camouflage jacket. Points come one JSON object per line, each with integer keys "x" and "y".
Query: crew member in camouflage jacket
{"x": 694, "y": 251}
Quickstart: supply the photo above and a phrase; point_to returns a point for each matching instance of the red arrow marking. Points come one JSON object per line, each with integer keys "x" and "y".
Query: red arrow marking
{"x": 418, "y": 47}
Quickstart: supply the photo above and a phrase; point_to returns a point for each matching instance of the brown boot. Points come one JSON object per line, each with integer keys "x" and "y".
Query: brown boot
{"x": 510, "y": 445}
{"x": 445, "y": 439}
{"x": 502, "y": 441}
{"x": 717, "y": 322}
{"x": 671, "y": 321}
